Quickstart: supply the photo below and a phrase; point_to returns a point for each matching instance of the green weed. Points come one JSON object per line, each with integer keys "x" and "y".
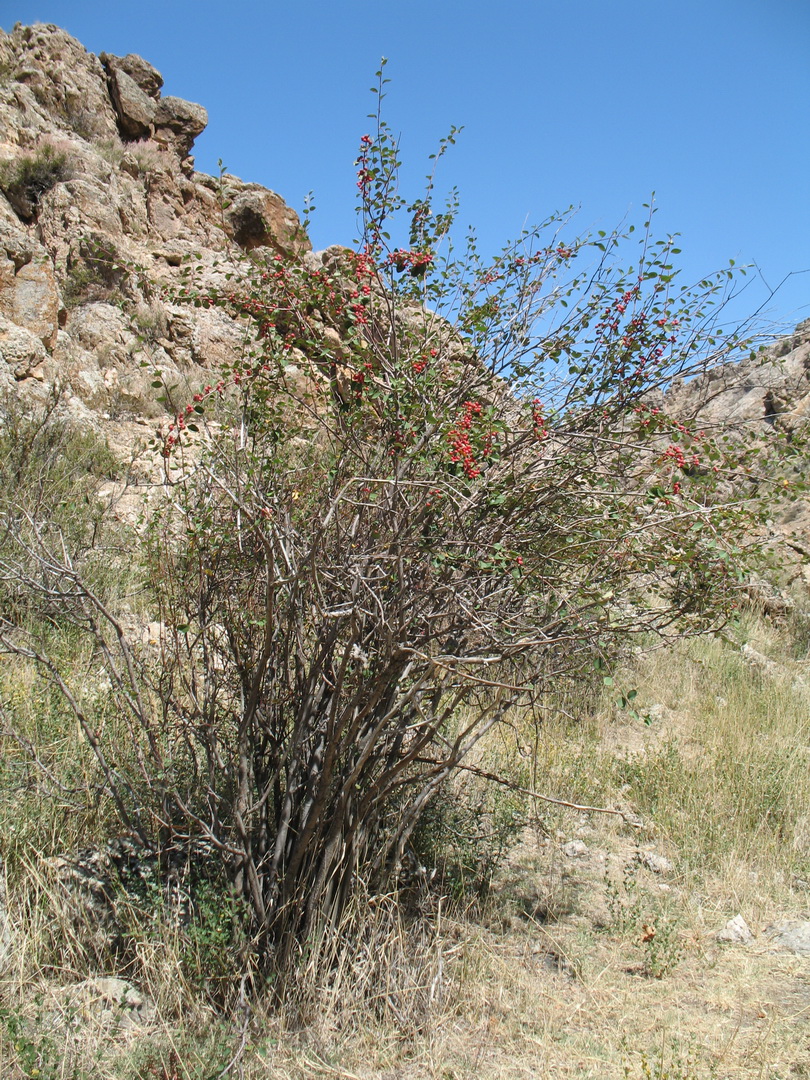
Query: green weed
{"x": 26, "y": 179}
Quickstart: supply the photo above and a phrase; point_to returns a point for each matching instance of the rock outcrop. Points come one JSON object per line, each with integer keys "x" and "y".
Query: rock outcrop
{"x": 770, "y": 388}
{"x": 95, "y": 176}
{"x": 764, "y": 394}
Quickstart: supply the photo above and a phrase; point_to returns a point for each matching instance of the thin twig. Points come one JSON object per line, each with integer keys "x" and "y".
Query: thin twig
{"x": 548, "y": 798}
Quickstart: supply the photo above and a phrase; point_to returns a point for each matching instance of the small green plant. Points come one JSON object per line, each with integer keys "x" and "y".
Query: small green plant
{"x": 465, "y": 833}
{"x": 94, "y": 274}
{"x": 184, "y": 899}
{"x": 648, "y": 926}
{"x": 662, "y": 946}
{"x": 679, "y": 1064}
{"x": 215, "y": 932}
{"x": 26, "y": 179}
{"x": 188, "y": 1055}
{"x": 36, "y": 1054}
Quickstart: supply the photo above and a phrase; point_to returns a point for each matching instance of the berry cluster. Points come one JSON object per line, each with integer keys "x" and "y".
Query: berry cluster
{"x": 415, "y": 262}
{"x": 461, "y": 448}
{"x": 538, "y": 421}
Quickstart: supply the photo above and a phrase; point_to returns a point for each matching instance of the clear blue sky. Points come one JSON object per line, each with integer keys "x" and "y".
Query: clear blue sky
{"x": 590, "y": 102}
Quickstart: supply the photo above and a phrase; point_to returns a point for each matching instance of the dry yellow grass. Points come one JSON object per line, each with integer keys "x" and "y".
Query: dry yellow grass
{"x": 584, "y": 962}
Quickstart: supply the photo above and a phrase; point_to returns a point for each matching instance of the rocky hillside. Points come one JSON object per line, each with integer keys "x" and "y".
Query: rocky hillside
{"x": 771, "y": 388}
{"x": 766, "y": 393}
{"x": 95, "y": 171}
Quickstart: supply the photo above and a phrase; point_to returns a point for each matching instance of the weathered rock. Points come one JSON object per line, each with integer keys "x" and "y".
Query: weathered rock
{"x": 20, "y": 350}
{"x": 108, "y": 366}
{"x": 56, "y": 84}
{"x": 76, "y": 217}
{"x": 135, "y": 109}
{"x": 758, "y": 660}
{"x": 260, "y": 218}
{"x": 153, "y": 633}
{"x": 15, "y": 240}
{"x": 763, "y": 388}
{"x": 770, "y": 602}
{"x": 179, "y": 122}
{"x": 113, "y": 1002}
{"x": 29, "y": 297}
{"x": 141, "y": 71}
{"x": 735, "y": 931}
{"x": 765, "y": 391}
{"x": 652, "y": 861}
{"x": 575, "y": 849}
{"x": 215, "y": 339}
{"x": 792, "y": 934}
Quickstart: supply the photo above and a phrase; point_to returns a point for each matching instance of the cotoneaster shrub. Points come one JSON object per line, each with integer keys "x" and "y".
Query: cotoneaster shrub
{"x": 438, "y": 489}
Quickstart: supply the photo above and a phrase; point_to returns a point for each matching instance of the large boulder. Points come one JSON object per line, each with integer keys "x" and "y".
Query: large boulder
{"x": 29, "y": 297}
{"x": 135, "y": 109}
{"x": 141, "y": 71}
{"x": 179, "y": 122}
{"x": 260, "y": 218}
{"x": 20, "y": 351}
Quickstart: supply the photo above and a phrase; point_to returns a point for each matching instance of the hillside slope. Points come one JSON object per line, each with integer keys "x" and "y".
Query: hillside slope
{"x": 96, "y": 172}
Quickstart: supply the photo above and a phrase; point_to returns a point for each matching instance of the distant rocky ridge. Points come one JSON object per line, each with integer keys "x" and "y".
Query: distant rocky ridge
{"x": 96, "y": 172}
{"x": 770, "y": 388}
{"x": 766, "y": 392}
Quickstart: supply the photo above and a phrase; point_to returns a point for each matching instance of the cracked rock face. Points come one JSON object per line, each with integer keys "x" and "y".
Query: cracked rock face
{"x": 135, "y": 109}
{"x": 141, "y": 112}
{"x": 141, "y": 71}
{"x": 179, "y": 122}
{"x": 767, "y": 391}
{"x": 29, "y": 297}
{"x": 770, "y": 388}
{"x": 96, "y": 178}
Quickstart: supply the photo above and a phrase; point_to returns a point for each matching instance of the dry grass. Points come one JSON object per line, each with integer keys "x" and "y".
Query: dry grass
{"x": 583, "y": 962}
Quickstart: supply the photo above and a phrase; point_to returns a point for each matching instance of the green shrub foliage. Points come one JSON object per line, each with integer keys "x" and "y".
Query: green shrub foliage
{"x": 26, "y": 179}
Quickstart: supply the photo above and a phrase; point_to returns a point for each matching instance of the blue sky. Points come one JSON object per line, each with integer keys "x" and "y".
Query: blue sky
{"x": 589, "y": 102}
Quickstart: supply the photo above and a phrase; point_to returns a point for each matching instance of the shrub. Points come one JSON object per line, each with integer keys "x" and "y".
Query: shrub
{"x": 112, "y": 150}
{"x": 150, "y": 321}
{"x": 52, "y": 468}
{"x": 463, "y": 835}
{"x": 26, "y": 179}
{"x": 439, "y": 490}
{"x": 94, "y": 273}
